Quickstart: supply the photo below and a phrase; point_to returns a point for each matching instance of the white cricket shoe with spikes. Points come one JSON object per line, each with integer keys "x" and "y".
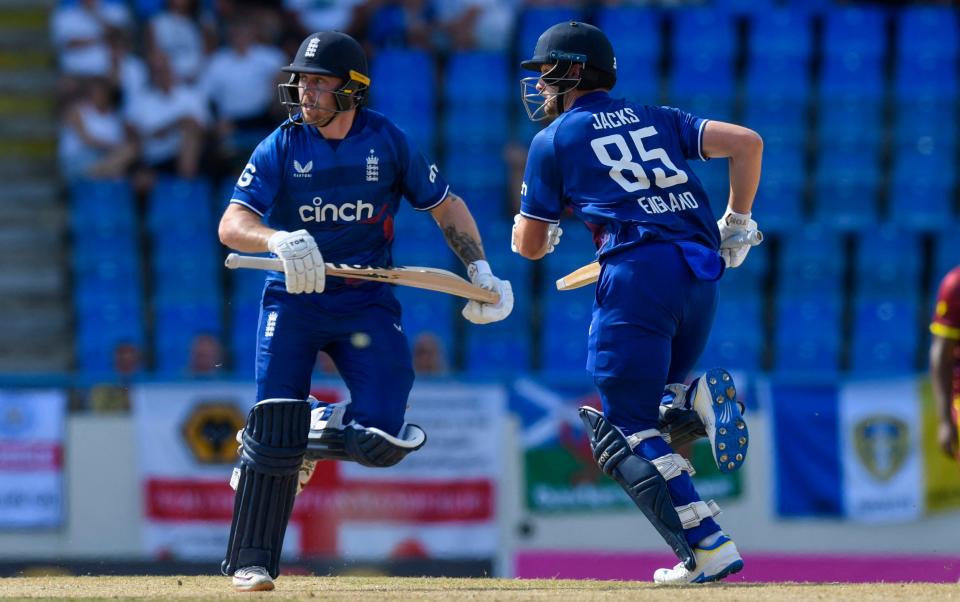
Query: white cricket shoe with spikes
{"x": 252, "y": 579}
{"x": 714, "y": 562}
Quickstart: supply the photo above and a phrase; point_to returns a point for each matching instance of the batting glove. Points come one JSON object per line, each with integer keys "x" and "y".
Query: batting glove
{"x": 484, "y": 313}
{"x": 733, "y": 244}
{"x": 554, "y": 232}
{"x": 302, "y": 261}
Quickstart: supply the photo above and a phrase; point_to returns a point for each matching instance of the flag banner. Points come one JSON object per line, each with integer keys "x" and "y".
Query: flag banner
{"x": 32, "y": 429}
{"x": 851, "y": 451}
{"x": 941, "y": 473}
{"x": 560, "y": 474}
{"x": 439, "y": 502}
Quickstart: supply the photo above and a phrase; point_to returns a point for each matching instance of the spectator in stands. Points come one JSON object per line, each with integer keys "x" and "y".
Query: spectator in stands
{"x": 94, "y": 142}
{"x": 206, "y": 356}
{"x": 945, "y": 362}
{"x": 80, "y": 30}
{"x": 483, "y": 24}
{"x": 428, "y": 355}
{"x": 114, "y": 396}
{"x": 169, "y": 120}
{"x": 241, "y": 82}
{"x": 400, "y": 24}
{"x": 128, "y": 72}
{"x": 330, "y": 15}
{"x": 178, "y": 32}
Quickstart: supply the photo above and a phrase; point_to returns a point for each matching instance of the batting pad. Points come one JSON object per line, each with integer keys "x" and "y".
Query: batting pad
{"x": 274, "y": 441}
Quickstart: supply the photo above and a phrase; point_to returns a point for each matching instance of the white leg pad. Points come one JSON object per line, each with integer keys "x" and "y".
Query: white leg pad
{"x": 694, "y": 513}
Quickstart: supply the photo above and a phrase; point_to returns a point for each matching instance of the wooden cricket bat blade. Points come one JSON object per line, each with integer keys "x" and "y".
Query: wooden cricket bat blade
{"x": 433, "y": 279}
{"x": 580, "y": 277}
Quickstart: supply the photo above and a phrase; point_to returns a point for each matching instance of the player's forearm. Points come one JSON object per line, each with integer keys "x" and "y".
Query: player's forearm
{"x": 745, "y": 175}
{"x": 459, "y": 228}
{"x": 242, "y": 230}
{"x": 530, "y": 238}
{"x": 941, "y": 374}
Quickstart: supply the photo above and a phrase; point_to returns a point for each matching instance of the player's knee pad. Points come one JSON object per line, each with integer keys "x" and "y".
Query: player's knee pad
{"x": 272, "y": 448}
{"x": 365, "y": 445}
{"x": 644, "y": 481}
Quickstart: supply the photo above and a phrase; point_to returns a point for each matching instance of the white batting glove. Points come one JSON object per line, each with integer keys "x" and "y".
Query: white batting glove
{"x": 484, "y": 313}
{"x": 302, "y": 261}
{"x": 554, "y": 232}
{"x": 733, "y": 245}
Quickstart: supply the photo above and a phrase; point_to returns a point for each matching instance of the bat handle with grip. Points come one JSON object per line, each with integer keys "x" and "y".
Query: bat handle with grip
{"x": 235, "y": 261}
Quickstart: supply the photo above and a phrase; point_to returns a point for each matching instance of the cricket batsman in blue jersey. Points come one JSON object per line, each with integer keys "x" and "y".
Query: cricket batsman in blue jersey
{"x": 325, "y": 187}
{"x": 622, "y": 167}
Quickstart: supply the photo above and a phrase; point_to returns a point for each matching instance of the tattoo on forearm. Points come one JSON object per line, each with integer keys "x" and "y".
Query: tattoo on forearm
{"x": 467, "y": 248}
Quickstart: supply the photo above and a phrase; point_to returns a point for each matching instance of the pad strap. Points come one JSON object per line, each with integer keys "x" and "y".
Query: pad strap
{"x": 672, "y": 466}
{"x": 694, "y": 513}
{"x": 368, "y": 446}
{"x": 634, "y": 440}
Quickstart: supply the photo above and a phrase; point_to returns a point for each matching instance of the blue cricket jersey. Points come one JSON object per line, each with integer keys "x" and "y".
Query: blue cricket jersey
{"x": 622, "y": 168}
{"x": 344, "y": 192}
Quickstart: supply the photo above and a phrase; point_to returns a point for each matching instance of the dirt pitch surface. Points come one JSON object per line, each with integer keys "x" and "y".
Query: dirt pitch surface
{"x": 408, "y": 589}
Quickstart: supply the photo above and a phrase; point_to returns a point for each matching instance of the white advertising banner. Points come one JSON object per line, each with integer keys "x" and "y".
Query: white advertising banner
{"x": 438, "y": 502}
{"x": 32, "y": 427}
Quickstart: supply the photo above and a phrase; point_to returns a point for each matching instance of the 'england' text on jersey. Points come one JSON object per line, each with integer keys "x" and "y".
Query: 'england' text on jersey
{"x": 602, "y": 121}
{"x": 656, "y": 204}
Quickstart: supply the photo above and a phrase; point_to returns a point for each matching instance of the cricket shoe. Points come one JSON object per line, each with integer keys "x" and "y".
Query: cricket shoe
{"x": 714, "y": 562}
{"x": 715, "y": 401}
{"x": 252, "y": 579}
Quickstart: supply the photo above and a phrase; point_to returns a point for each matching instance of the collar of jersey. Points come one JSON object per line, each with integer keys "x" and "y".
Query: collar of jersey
{"x": 590, "y": 98}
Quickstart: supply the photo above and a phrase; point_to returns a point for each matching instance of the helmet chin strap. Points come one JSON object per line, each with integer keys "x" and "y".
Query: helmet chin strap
{"x": 560, "y": 97}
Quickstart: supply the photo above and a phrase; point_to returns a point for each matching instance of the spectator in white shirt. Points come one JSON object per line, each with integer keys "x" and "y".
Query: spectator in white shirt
{"x": 94, "y": 143}
{"x": 79, "y": 32}
{"x": 169, "y": 119}
{"x": 178, "y": 33}
{"x": 241, "y": 82}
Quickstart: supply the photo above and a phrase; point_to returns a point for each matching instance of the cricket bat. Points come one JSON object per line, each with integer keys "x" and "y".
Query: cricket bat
{"x": 432, "y": 279}
{"x": 589, "y": 273}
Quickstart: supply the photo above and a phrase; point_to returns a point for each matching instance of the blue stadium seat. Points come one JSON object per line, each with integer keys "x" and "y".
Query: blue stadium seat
{"x": 927, "y": 30}
{"x": 946, "y": 255}
{"x": 780, "y": 33}
{"x": 703, "y": 32}
{"x": 477, "y": 78}
{"x": 634, "y": 32}
{"x": 781, "y": 120}
{"x": 811, "y": 259}
{"x": 744, "y": 7}
{"x": 405, "y": 90}
{"x": 926, "y": 76}
{"x": 244, "y": 320}
{"x": 922, "y": 201}
{"x": 468, "y": 167}
{"x": 496, "y": 354}
{"x": 175, "y": 203}
{"x": 703, "y": 85}
{"x": 247, "y": 285}
{"x": 850, "y": 123}
{"x": 176, "y": 325}
{"x": 565, "y": 324}
{"x": 736, "y": 340}
{"x": 887, "y": 261}
{"x": 714, "y": 175}
{"x": 534, "y": 20}
{"x": 778, "y": 79}
{"x": 885, "y": 336}
{"x": 807, "y": 334}
{"x": 851, "y": 77}
{"x": 846, "y": 187}
{"x": 428, "y": 311}
{"x": 928, "y": 123}
{"x": 857, "y": 30}
{"x": 429, "y": 250}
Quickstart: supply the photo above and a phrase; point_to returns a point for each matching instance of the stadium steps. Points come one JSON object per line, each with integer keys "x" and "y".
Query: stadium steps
{"x": 34, "y": 287}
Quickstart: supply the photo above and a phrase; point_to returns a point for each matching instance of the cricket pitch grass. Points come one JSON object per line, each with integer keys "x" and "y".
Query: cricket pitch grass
{"x": 410, "y": 589}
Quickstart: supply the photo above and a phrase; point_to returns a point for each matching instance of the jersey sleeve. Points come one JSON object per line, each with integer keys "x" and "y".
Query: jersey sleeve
{"x": 690, "y": 127}
{"x": 421, "y": 183}
{"x": 541, "y": 195}
{"x": 946, "y": 314}
{"x": 257, "y": 187}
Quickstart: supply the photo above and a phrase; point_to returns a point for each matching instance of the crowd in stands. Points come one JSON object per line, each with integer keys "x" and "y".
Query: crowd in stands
{"x": 856, "y": 102}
